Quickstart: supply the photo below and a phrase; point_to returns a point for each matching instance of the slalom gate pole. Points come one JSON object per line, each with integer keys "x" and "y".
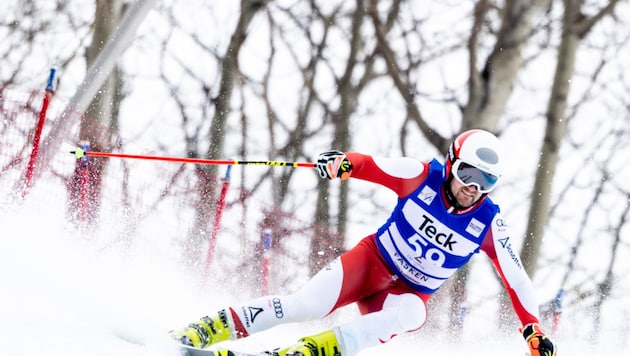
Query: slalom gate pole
{"x": 266, "y": 242}
{"x": 80, "y": 153}
{"x": 217, "y": 222}
{"x": 84, "y": 187}
{"x": 38, "y": 132}
{"x": 556, "y": 312}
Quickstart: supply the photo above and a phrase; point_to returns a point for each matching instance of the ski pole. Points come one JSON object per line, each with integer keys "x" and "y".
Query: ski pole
{"x": 80, "y": 153}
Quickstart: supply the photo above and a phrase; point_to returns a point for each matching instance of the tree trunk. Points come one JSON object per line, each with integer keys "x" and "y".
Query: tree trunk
{"x": 574, "y": 28}
{"x": 207, "y": 175}
{"x": 341, "y": 141}
{"x": 99, "y": 124}
{"x": 489, "y": 91}
{"x": 554, "y": 133}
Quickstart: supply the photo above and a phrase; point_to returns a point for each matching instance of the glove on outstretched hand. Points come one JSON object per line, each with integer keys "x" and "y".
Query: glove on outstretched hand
{"x": 334, "y": 164}
{"x": 539, "y": 344}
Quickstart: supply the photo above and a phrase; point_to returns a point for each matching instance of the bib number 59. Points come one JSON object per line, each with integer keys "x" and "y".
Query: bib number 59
{"x": 433, "y": 255}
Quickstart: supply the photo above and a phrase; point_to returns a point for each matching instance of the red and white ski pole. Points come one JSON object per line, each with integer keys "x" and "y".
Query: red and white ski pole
{"x": 80, "y": 153}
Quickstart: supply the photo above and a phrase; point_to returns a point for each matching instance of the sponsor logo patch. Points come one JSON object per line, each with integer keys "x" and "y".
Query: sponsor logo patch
{"x": 277, "y": 307}
{"x": 427, "y": 195}
{"x": 475, "y": 227}
{"x": 505, "y": 243}
{"x": 250, "y": 314}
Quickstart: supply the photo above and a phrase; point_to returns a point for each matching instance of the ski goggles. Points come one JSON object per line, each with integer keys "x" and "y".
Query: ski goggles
{"x": 471, "y": 175}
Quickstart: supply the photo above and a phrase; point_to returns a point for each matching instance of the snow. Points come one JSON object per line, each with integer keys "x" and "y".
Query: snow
{"x": 66, "y": 295}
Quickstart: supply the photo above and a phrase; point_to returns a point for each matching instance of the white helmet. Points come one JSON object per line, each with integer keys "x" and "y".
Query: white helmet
{"x": 475, "y": 158}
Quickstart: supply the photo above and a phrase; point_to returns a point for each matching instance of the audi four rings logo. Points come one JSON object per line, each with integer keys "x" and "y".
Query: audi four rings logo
{"x": 277, "y": 307}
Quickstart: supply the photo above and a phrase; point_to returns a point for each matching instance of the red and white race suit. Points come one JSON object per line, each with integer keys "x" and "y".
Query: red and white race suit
{"x": 392, "y": 273}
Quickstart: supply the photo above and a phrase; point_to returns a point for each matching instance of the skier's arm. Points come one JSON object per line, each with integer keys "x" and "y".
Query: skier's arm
{"x": 402, "y": 175}
{"x": 498, "y": 246}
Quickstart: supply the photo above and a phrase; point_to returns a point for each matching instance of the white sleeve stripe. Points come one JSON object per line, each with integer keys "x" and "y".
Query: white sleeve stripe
{"x": 403, "y": 167}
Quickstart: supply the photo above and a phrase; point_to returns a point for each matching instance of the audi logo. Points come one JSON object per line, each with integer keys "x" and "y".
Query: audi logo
{"x": 277, "y": 307}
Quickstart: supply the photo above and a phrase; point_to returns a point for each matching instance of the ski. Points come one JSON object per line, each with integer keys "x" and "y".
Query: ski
{"x": 193, "y": 351}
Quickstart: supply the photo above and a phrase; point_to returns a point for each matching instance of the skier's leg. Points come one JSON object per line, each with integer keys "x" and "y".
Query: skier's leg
{"x": 388, "y": 305}
{"x": 313, "y": 301}
{"x": 353, "y": 276}
{"x": 400, "y": 313}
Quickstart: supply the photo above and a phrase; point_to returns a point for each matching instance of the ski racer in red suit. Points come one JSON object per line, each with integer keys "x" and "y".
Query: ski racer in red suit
{"x": 443, "y": 217}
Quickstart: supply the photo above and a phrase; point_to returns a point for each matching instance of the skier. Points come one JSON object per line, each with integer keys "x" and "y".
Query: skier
{"x": 443, "y": 217}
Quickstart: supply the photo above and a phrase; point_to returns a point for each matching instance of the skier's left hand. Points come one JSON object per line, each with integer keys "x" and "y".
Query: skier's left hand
{"x": 334, "y": 164}
{"x": 539, "y": 344}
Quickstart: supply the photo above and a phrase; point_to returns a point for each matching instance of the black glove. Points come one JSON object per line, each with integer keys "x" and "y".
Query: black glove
{"x": 539, "y": 344}
{"x": 334, "y": 164}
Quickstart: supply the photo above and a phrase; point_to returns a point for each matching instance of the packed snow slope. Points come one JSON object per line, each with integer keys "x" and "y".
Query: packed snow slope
{"x": 62, "y": 294}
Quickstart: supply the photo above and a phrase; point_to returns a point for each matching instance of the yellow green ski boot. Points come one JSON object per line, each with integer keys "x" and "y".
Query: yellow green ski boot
{"x": 322, "y": 344}
{"x": 205, "y": 332}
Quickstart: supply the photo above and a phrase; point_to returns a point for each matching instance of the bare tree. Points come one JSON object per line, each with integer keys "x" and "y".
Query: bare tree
{"x": 575, "y": 27}
{"x": 206, "y": 194}
{"x": 348, "y": 91}
{"x": 101, "y": 124}
{"x": 605, "y": 287}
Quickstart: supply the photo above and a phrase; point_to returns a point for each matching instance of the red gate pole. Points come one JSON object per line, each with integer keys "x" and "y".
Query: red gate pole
{"x": 217, "y": 221}
{"x": 266, "y": 242}
{"x": 38, "y": 133}
{"x": 84, "y": 187}
{"x": 556, "y": 312}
